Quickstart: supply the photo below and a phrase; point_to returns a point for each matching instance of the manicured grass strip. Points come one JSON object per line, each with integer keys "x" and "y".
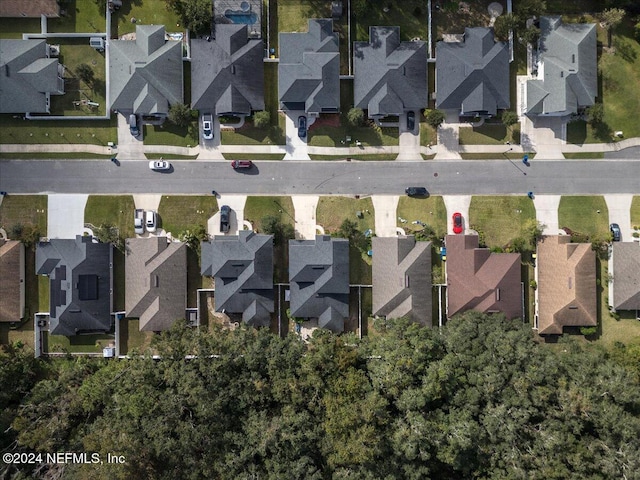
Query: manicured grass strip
{"x": 170, "y": 134}
{"x": 428, "y": 157}
{"x": 24, "y": 210}
{"x": 42, "y": 290}
{"x": 584, "y": 156}
{"x": 253, "y": 156}
{"x": 332, "y": 211}
{"x": 180, "y": 213}
{"x": 635, "y": 211}
{"x": 293, "y": 15}
{"x": 116, "y": 210}
{"x": 359, "y": 267}
{"x": 496, "y": 156}
{"x": 131, "y": 338}
{"x": 326, "y": 136}
{"x": 94, "y": 132}
{"x": 580, "y": 214}
{"x": 149, "y": 12}
{"x": 427, "y": 210}
{"x": 15, "y": 27}
{"x": 257, "y": 208}
{"x": 489, "y": 134}
{"x": 77, "y": 343}
{"x": 164, "y": 156}
{"x": 373, "y": 156}
{"x": 54, "y": 156}
{"x": 428, "y": 135}
{"x": 500, "y": 218}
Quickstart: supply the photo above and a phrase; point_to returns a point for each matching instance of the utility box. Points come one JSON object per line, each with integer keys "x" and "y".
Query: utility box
{"x": 97, "y": 43}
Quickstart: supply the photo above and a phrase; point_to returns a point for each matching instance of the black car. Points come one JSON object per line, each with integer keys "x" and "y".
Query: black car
{"x": 615, "y": 231}
{"x": 302, "y": 126}
{"x": 411, "y": 120}
{"x": 416, "y": 192}
{"x": 225, "y": 212}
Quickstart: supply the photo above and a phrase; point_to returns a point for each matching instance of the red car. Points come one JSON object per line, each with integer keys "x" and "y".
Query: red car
{"x": 238, "y": 164}
{"x": 457, "y": 222}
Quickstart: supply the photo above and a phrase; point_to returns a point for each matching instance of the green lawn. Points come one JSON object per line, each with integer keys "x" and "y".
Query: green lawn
{"x": 164, "y": 156}
{"x": 43, "y": 291}
{"x": 490, "y": 134}
{"x": 409, "y": 15}
{"x": 253, "y": 156}
{"x": 332, "y": 211}
{"x": 580, "y": 214}
{"x": 147, "y": 12}
{"x": 53, "y": 156}
{"x": 15, "y": 27}
{"x": 427, "y": 210}
{"x": 500, "y": 218}
{"x": 82, "y": 16}
{"x": 293, "y": 15}
{"x": 428, "y": 135}
{"x": 259, "y": 207}
{"x": 495, "y": 156}
{"x": 180, "y": 213}
{"x": 95, "y": 132}
{"x": 77, "y": 343}
{"x": 116, "y": 210}
{"x": 325, "y": 136}
{"x": 372, "y": 156}
{"x": 131, "y": 338}
{"x": 584, "y": 156}
{"x": 635, "y": 211}
{"x": 171, "y": 134}
{"x": 26, "y": 210}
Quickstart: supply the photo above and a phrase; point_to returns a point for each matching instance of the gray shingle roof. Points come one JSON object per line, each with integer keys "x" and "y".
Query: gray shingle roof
{"x": 145, "y": 74}
{"x": 626, "y": 275}
{"x": 227, "y": 74}
{"x": 156, "y": 282}
{"x": 402, "y": 278}
{"x": 309, "y": 69}
{"x": 319, "y": 280}
{"x": 27, "y": 76}
{"x": 79, "y": 273}
{"x": 242, "y": 267}
{"x": 473, "y": 76}
{"x": 11, "y": 280}
{"x": 567, "y": 70}
{"x": 390, "y": 77}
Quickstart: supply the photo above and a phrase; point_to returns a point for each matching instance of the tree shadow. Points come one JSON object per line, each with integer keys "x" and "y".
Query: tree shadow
{"x": 625, "y": 50}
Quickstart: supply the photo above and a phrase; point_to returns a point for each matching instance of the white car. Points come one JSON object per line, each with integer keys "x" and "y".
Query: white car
{"x": 151, "y": 221}
{"x": 207, "y": 127}
{"x": 159, "y": 165}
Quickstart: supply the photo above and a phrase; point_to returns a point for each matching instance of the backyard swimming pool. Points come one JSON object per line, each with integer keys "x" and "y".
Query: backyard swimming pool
{"x": 238, "y": 16}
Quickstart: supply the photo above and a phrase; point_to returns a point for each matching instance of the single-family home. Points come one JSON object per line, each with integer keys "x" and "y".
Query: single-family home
{"x": 566, "y": 290}
{"x": 478, "y": 279}
{"x": 80, "y": 273}
{"x": 11, "y": 280}
{"x": 472, "y": 75}
{"x": 227, "y": 74}
{"x": 156, "y": 281}
{"x": 402, "y": 278}
{"x": 319, "y": 280}
{"x": 242, "y": 268}
{"x": 145, "y": 74}
{"x": 309, "y": 69}
{"x": 565, "y": 78}
{"x": 625, "y": 275}
{"x": 28, "y": 76}
{"x": 390, "y": 76}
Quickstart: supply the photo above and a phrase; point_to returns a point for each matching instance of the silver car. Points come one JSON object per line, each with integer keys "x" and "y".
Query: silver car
{"x": 159, "y": 165}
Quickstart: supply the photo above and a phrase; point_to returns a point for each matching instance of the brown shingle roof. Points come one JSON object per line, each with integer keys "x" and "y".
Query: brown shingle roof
{"x": 480, "y": 280}
{"x": 29, "y": 8}
{"x": 156, "y": 282}
{"x": 402, "y": 278}
{"x": 566, "y": 284}
{"x": 626, "y": 275}
{"x": 11, "y": 281}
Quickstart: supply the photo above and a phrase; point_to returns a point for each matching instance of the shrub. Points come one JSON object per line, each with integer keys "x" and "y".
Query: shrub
{"x": 595, "y": 114}
{"x": 434, "y": 117}
{"x": 533, "y": 284}
{"x": 180, "y": 114}
{"x": 261, "y": 119}
{"x": 636, "y": 31}
{"x": 355, "y": 117}
{"x": 509, "y": 118}
{"x": 586, "y": 331}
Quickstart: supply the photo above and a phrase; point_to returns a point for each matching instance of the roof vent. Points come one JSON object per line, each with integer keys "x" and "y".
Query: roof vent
{"x": 233, "y": 69}
{"x": 156, "y": 281}
{"x": 561, "y": 74}
{"x": 572, "y": 307}
{"x": 497, "y": 294}
{"x": 573, "y": 58}
{"x": 569, "y": 282}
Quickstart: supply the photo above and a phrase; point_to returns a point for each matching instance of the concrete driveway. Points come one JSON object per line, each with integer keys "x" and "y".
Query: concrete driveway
{"x": 547, "y": 212}
{"x": 129, "y": 147}
{"x": 236, "y": 219}
{"x": 548, "y": 135}
{"x": 457, "y": 203}
{"x": 619, "y": 207}
{"x": 386, "y": 208}
{"x": 409, "y": 141}
{"x": 296, "y": 147}
{"x": 65, "y": 215}
{"x": 305, "y": 214}
{"x": 209, "y": 148}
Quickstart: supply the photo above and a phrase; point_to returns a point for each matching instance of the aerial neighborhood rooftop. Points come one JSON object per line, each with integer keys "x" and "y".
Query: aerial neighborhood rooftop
{"x": 296, "y": 166}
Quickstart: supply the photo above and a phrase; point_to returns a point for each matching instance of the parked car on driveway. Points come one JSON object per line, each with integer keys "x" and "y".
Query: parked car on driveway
{"x": 416, "y": 191}
{"x": 207, "y": 127}
{"x": 151, "y": 221}
{"x": 241, "y": 164}
{"x": 302, "y": 126}
{"x": 225, "y": 214}
{"x": 411, "y": 120}
{"x": 457, "y": 223}
{"x": 159, "y": 165}
{"x": 133, "y": 125}
{"x": 615, "y": 231}
{"x": 138, "y": 221}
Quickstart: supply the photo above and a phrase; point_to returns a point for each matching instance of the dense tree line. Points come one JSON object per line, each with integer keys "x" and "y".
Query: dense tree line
{"x": 479, "y": 399}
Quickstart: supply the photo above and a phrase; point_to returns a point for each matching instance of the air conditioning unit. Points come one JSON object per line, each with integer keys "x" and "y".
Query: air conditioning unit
{"x": 54, "y": 51}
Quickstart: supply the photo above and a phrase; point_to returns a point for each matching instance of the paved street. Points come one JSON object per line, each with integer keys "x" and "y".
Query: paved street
{"x": 318, "y": 178}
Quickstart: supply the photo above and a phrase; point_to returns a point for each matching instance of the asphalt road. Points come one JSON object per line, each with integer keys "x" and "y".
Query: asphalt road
{"x": 333, "y": 177}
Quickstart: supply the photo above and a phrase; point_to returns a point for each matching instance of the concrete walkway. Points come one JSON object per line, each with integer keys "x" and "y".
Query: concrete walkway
{"x": 386, "y": 208}
{"x": 619, "y": 207}
{"x": 305, "y": 214}
{"x": 547, "y": 212}
{"x": 65, "y": 215}
{"x": 457, "y": 203}
{"x": 296, "y": 147}
{"x": 129, "y": 147}
{"x": 236, "y": 219}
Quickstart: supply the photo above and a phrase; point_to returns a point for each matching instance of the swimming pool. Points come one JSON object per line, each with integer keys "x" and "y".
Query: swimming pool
{"x": 238, "y": 16}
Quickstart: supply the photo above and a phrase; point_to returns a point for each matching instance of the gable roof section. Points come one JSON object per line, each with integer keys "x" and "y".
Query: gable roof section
{"x": 145, "y": 73}
{"x": 626, "y": 275}
{"x": 309, "y": 69}
{"x": 566, "y": 284}
{"x": 402, "y": 278}
{"x": 242, "y": 267}
{"x": 79, "y": 272}
{"x": 319, "y": 280}
{"x": 480, "y": 280}
{"x": 473, "y": 75}
{"x": 567, "y": 69}
{"x": 27, "y": 76}
{"x": 227, "y": 74}
{"x": 11, "y": 281}
{"x": 156, "y": 282}
{"x": 390, "y": 76}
